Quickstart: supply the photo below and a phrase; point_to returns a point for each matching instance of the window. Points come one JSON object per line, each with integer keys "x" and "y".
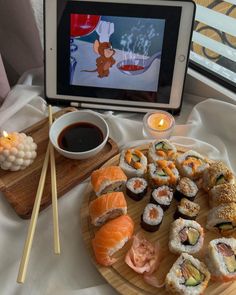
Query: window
{"x": 213, "y": 49}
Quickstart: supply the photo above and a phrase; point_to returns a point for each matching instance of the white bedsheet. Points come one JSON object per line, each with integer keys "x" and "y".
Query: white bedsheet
{"x": 210, "y": 129}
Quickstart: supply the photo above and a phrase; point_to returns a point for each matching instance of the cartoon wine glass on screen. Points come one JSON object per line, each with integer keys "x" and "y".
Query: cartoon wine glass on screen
{"x": 80, "y": 25}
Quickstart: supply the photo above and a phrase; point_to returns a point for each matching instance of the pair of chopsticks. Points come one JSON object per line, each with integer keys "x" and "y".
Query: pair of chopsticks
{"x": 30, "y": 235}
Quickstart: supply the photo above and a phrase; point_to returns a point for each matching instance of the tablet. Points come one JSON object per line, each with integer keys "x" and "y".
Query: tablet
{"x": 126, "y": 55}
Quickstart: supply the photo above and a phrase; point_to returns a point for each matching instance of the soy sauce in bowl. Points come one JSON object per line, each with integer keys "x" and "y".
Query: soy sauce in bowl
{"x": 80, "y": 137}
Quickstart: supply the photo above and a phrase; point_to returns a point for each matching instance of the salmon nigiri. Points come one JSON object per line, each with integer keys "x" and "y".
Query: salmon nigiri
{"x": 107, "y": 206}
{"x": 111, "y": 237}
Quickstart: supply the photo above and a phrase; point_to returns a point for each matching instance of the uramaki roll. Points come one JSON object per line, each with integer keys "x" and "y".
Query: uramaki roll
{"x": 222, "y": 193}
{"x": 221, "y": 259}
{"x": 217, "y": 173}
{"x": 191, "y": 164}
{"x": 222, "y": 219}
{"x": 187, "y": 276}
{"x": 162, "y": 149}
{"x": 185, "y": 236}
{"x": 133, "y": 162}
{"x": 108, "y": 179}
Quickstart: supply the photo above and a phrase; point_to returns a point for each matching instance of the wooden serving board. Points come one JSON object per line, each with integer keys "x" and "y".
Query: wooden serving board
{"x": 20, "y": 187}
{"x": 121, "y": 276}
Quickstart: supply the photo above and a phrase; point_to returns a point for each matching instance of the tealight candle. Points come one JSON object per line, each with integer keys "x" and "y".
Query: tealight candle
{"x": 158, "y": 124}
{"x": 17, "y": 151}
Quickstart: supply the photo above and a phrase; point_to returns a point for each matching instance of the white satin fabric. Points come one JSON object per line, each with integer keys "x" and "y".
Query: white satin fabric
{"x": 210, "y": 129}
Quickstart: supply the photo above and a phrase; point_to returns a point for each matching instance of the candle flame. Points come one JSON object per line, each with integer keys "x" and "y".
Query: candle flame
{"x": 4, "y": 133}
{"x": 161, "y": 123}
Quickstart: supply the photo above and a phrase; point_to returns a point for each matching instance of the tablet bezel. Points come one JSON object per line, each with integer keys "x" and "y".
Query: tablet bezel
{"x": 179, "y": 73}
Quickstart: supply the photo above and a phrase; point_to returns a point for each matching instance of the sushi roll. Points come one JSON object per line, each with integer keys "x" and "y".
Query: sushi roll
{"x": 163, "y": 173}
{"x": 133, "y": 163}
{"x": 162, "y": 196}
{"x": 107, "y": 206}
{"x": 186, "y": 188}
{"x": 161, "y": 150}
{"x": 111, "y": 237}
{"x": 222, "y": 219}
{"x": 186, "y": 236}
{"x": 191, "y": 164}
{"x": 217, "y": 173}
{"x": 108, "y": 179}
{"x": 152, "y": 217}
{"x": 136, "y": 188}
{"x": 187, "y": 276}
{"x": 222, "y": 193}
{"x": 221, "y": 259}
{"x": 187, "y": 210}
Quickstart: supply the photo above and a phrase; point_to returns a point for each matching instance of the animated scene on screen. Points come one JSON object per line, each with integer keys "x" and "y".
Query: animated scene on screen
{"x": 115, "y": 52}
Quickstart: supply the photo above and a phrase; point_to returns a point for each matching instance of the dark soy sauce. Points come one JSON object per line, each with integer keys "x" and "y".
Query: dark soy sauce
{"x": 80, "y": 137}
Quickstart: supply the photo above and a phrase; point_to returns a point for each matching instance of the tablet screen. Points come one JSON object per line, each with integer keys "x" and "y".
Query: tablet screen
{"x": 116, "y": 52}
{"x": 128, "y": 53}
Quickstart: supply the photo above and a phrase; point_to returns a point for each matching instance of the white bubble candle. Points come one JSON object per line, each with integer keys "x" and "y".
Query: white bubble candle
{"x": 17, "y": 151}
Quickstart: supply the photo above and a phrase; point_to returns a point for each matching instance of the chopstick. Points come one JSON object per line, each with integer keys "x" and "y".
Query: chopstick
{"x": 54, "y": 191}
{"x": 30, "y": 235}
{"x": 34, "y": 216}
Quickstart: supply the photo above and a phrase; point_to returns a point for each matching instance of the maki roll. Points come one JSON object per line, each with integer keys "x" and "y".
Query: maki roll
{"x": 162, "y": 196}
{"x": 187, "y": 210}
{"x": 191, "y": 164}
{"x": 161, "y": 150}
{"x": 222, "y": 219}
{"x": 186, "y": 236}
{"x": 106, "y": 207}
{"x": 187, "y": 276}
{"x": 108, "y": 179}
{"x": 152, "y": 217}
{"x": 222, "y": 193}
{"x": 163, "y": 173}
{"x": 136, "y": 188}
{"x": 133, "y": 162}
{"x": 217, "y": 173}
{"x": 221, "y": 259}
{"x": 186, "y": 188}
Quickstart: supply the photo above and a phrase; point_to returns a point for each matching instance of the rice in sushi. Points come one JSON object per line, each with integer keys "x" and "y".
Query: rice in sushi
{"x": 136, "y": 188}
{"x": 133, "y": 163}
{"x": 221, "y": 194}
{"x": 152, "y": 217}
{"x": 108, "y": 179}
{"x": 187, "y": 276}
{"x": 221, "y": 259}
{"x": 191, "y": 164}
{"x": 162, "y": 196}
{"x": 186, "y": 236}
{"x": 187, "y": 210}
{"x": 217, "y": 173}
{"x": 106, "y": 207}
{"x": 161, "y": 150}
{"x": 222, "y": 219}
{"x": 186, "y": 188}
{"x": 163, "y": 173}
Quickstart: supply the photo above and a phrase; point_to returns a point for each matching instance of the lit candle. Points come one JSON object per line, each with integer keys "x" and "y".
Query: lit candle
{"x": 17, "y": 151}
{"x": 159, "y": 125}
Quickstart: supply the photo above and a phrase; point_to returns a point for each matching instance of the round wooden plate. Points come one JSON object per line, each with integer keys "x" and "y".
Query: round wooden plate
{"x": 123, "y": 278}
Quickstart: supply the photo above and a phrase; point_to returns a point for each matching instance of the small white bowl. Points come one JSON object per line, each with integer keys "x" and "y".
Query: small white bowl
{"x": 76, "y": 117}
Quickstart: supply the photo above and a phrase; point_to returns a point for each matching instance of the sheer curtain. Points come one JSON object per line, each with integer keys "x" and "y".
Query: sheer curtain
{"x": 21, "y": 36}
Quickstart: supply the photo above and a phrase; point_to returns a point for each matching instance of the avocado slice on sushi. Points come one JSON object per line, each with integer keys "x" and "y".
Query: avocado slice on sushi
{"x": 166, "y": 146}
{"x": 159, "y": 145}
{"x": 230, "y": 263}
{"x": 135, "y": 158}
{"x": 161, "y": 172}
{"x": 220, "y": 179}
{"x": 192, "y": 275}
{"x": 225, "y": 226}
{"x": 193, "y": 236}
